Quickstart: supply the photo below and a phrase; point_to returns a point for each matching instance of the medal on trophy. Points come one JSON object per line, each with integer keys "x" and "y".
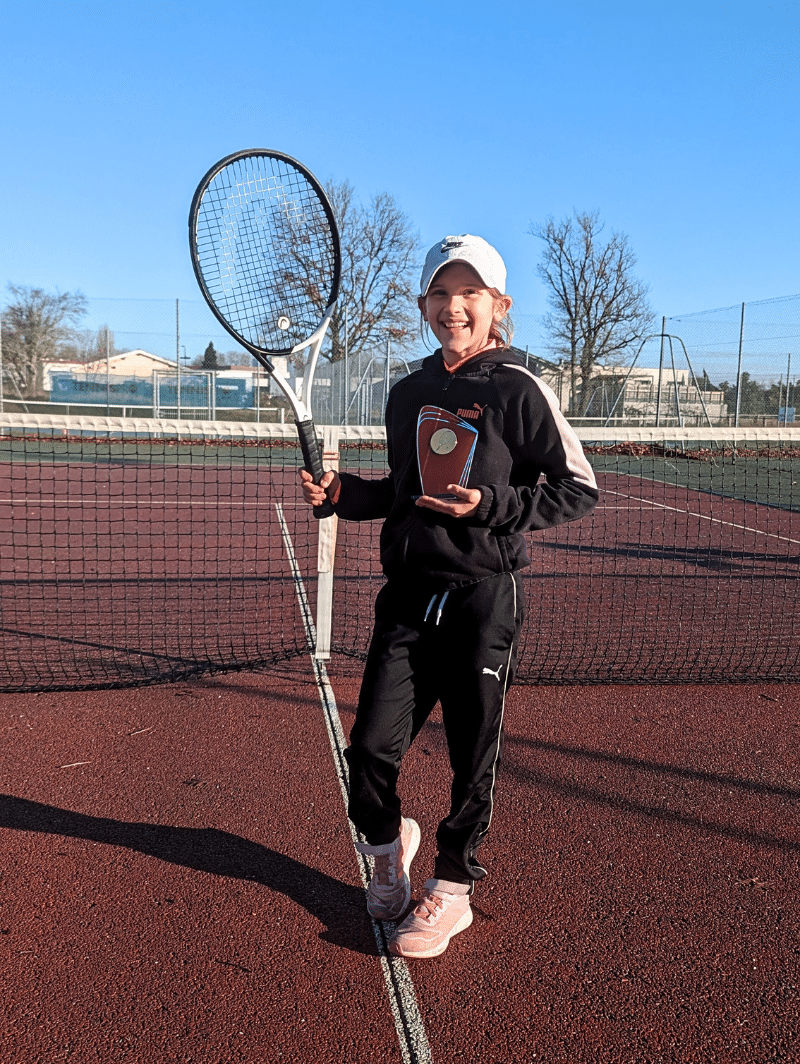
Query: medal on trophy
{"x": 445, "y": 446}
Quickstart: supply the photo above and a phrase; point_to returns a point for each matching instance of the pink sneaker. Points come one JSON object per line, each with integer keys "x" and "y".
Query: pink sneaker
{"x": 426, "y": 932}
{"x": 389, "y": 891}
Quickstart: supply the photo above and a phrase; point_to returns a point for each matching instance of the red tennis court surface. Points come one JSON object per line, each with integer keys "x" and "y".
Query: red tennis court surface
{"x": 179, "y": 882}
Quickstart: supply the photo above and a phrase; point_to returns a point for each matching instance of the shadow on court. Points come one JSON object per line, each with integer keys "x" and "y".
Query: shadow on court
{"x": 617, "y": 793}
{"x": 623, "y": 803}
{"x": 702, "y": 556}
{"x": 338, "y": 906}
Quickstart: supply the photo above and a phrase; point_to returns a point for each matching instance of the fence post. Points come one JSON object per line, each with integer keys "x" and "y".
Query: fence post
{"x": 326, "y": 552}
{"x": 178, "y": 355}
{"x": 346, "y": 371}
{"x": 739, "y": 372}
{"x": 660, "y": 373}
{"x": 108, "y": 378}
{"x": 788, "y": 391}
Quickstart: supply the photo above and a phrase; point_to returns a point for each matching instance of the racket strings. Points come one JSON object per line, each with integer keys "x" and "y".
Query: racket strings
{"x": 266, "y": 251}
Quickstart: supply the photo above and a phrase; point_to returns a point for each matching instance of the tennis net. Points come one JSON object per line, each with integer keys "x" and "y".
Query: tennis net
{"x": 135, "y": 552}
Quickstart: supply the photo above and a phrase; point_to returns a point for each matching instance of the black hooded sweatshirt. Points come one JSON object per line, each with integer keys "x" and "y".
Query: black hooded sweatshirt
{"x": 528, "y": 465}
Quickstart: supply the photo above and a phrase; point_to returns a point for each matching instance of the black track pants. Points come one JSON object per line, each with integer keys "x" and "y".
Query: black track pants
{"x": 458, "y": 649}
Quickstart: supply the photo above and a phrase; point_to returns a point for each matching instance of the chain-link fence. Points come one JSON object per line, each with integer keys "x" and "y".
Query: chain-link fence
{"x": 737, "y": 365}
{"x": 152, "y": 358}
{"x": 751, "y": 352}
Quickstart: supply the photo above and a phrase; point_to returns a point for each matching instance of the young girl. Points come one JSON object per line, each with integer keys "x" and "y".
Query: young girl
{"x": 447, "y": 620}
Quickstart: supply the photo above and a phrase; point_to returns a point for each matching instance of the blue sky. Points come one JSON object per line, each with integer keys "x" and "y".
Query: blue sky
{"x": 677, "y": 121}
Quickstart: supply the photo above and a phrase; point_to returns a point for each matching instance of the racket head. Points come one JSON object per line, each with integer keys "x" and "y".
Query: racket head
{"x": 265, "y": 250}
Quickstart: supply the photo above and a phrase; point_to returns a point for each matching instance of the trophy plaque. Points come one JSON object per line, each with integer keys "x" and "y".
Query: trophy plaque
{"x": 445, "y": 446}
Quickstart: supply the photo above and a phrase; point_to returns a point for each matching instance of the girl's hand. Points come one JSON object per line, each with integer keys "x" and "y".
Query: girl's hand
{"x": 465, "y": 504}
{"x": 328, "y": 488}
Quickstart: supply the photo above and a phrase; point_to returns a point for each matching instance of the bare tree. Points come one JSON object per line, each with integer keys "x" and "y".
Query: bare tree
{"x": 35, "y": 325}
{"x": 599, "y": 309}
{"x": 380, "y": 254}
{"x": 105, "y": 343}
{"x": 79, "y": 347}
{"x": 86, "y": 345}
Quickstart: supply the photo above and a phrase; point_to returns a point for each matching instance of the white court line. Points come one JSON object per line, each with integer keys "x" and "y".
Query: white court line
{"x": 414, "y": 1046}
{"x": 108, "y": 501}
{"x": 701, "y": 517}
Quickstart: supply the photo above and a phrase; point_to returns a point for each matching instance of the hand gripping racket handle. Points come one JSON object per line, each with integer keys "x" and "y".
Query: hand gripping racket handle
{"x": 313, "y": 462}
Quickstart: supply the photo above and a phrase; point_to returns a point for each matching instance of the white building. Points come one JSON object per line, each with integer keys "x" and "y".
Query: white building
{"x": 130, "y": 364}
{"x": 637, "y": 396}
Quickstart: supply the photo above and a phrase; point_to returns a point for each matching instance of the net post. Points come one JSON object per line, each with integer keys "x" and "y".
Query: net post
{"x": 326, "y": 552}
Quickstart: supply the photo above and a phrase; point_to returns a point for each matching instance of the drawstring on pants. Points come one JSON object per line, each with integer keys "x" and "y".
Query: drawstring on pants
{"x": 441, "y": 607}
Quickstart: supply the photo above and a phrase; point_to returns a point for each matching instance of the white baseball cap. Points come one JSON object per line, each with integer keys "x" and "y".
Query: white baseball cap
{"x": 474, "y": 251}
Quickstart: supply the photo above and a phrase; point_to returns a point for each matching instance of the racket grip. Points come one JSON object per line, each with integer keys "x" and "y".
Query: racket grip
{"x": 326, "y": 510}
{"x": 312, "y": 459}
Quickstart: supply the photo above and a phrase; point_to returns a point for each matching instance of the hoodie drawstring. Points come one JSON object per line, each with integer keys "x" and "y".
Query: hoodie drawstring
{"x": 432, "y": 603}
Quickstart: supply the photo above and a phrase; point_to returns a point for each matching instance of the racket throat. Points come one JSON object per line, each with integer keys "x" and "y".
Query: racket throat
{"x": 300, "y": 397}
{"x": 297, "y": 400}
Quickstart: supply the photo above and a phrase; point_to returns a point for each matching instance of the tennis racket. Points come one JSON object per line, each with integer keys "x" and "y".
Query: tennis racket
{"x": 265, "y": 251}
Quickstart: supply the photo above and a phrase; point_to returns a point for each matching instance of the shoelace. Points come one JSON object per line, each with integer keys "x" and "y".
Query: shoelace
{"x": 433, "y": 907}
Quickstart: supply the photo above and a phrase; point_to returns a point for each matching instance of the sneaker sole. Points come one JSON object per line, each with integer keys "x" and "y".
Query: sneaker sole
{"x": 462, "y": 925}
{"x": 411, "y": 853}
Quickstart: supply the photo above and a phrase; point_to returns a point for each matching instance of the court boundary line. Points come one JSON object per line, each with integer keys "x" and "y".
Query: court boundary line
{"x": 700, "y": 517}
{"x": 106, "y": 502}
{"x": 414, "y": 1046}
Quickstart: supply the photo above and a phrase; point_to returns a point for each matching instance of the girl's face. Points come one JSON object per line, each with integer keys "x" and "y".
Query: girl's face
{"x": 461, "y": 312}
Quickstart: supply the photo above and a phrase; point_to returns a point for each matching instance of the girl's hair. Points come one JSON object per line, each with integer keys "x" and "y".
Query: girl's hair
{"x": 501, "y": 332}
